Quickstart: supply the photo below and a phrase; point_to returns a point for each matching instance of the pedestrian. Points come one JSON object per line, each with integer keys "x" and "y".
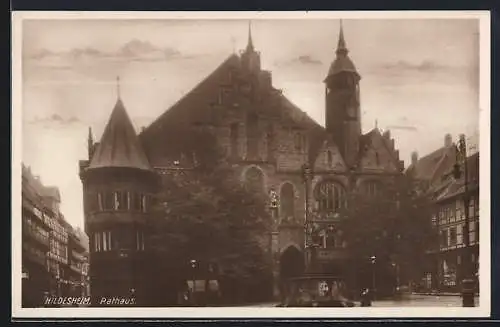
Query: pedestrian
{"x": 366, "y": 300}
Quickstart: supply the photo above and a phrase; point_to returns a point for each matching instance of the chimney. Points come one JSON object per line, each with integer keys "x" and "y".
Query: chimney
{"x": 414, "y": 157}
{"x": 448, "y": 141}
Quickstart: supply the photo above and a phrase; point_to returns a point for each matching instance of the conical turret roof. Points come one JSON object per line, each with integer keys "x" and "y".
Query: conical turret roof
{"x": 342, "y": 62}
{"x": 119, "y": 146}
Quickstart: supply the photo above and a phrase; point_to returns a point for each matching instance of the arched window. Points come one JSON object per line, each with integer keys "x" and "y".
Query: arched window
{"x": 234, "y": 133}
{"x": 254, "y": 180}
{"x": 330, "y": 197}
{"x": 287, "y": 200}
{"x": 372, "y": 188}
{"x": 252, "y": 136}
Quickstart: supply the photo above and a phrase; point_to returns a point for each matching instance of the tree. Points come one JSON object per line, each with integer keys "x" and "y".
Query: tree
{"x": 395, "y": 228}
{"x": 205, "y": 214}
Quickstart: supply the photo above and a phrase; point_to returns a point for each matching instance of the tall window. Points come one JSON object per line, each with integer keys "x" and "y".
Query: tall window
{"x": 121, "y": 200}
{"x": 102, "y": 241}
{"x": 460, "y": 234}
{"x": 372, "y": 188}
{"x": 109, "y": 200}
{"x": 444, "y": 238}
{"x": 140, "y": 241}
{"x": 330, "y": 197}
{"x": 329, "y": 158}
{"x": 234, "y": 134}
{"x": 287, "y": 200}
{"x": 252, "y": 136}
{"x": 254, "y": 180}
{"x": 136, "y": 201}
{"x": 270, "y": 142}
{"x": 453, "y": 236}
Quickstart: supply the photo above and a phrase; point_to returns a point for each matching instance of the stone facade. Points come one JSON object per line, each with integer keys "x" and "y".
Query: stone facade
{"x": 269, "y": 141}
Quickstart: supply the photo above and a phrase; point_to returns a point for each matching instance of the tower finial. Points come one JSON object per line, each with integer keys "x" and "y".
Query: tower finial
{"x": 376, "y": 123}
{"x": 250, "y": 42}
{"x": 118, "y": 87}
{"x": 341, "y": 46}
{"x": 90, "y": 143}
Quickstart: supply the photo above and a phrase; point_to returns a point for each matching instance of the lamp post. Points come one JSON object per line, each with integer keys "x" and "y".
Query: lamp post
{"x": 273, "y": 246}
{"x": 373, "y": 260}
{"x": 458, "y": 172}
{"x": 308, "y": 237}
{"x": 193, "y": 267}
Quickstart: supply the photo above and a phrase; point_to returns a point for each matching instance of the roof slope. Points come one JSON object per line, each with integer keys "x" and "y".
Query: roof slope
{"x": 119, "y": 146}
{"x": 426, "y": 167}
{"x": 175, "y": 125}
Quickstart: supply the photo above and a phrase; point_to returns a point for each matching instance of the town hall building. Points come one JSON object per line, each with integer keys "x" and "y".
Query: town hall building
{"x": 310, "y": 170}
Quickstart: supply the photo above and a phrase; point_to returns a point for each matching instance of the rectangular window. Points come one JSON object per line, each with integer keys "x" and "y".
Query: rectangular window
{"x": 109, "y": 201}
{"x": 451, "y": 214}
{"x": 136, "y": 202}
{"x": 234, "y": 135}
{"x": 453, "y": 236}
{"x": 460, "y": 230}
{"x": 100, "y": 205}
{"x": 97, "y": 241}
{"x": 471, "y": 208}
{"x": 144, "y": 203}
{"x": 444, "y": 238}
{"x": 140, "y": 241}
{"x": 105, "y": 241}
{"x": 476, "y": 211}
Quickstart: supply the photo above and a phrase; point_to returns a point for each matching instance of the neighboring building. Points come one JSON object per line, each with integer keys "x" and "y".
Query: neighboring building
{"x": 46, "y": 266}
{"x": 267, "y": 140}
{"x": 35, "y": 242}
{"x": 445, "y": 270}
{"x": 77, "y": 260}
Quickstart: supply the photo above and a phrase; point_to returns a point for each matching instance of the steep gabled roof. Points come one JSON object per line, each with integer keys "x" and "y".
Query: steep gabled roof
{"x": 119, "y": 146}
{"x": 426, "y": 168}
{"x": 174, "y": 126}
{"x": 453, "y": 187}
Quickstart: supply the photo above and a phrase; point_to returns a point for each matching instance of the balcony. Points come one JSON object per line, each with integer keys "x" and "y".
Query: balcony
{"x": 76, "y": 269}
{"x": 77, "y": 256}
{"x": 34, "y": 255}
{"x": 332, "y": 254}
{"x": 36, "y": 236}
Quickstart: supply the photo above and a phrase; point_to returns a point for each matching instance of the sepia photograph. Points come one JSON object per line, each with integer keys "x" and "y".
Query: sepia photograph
{"x": 243, "y": 164}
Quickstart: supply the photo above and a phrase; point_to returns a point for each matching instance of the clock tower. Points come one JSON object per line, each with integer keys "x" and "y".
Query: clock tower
{"x": 343, "y": 120}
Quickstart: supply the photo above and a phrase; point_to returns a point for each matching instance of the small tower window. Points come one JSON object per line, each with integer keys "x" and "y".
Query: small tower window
{"x": 329, "y": 158}
{"x": 140, "y": 241}
{"x": 234, "y": 134}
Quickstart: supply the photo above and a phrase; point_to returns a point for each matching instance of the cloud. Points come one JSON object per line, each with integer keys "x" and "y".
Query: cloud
{"x": 134, "y": 50}
{"x": 301, "y": 60}
{"x": 56, "y": 119}
{"x": 403, "y": 128}
{"x": 422, "y": 67}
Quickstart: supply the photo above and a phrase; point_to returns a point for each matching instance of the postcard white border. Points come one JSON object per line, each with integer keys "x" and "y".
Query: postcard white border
{"x": 483, "y": 310}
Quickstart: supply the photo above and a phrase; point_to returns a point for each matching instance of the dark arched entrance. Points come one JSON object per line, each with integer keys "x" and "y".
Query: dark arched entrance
{"x": 291, "y": 265}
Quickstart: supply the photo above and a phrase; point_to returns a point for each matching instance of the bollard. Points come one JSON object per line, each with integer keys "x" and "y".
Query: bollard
{"x": 468, "y": 293}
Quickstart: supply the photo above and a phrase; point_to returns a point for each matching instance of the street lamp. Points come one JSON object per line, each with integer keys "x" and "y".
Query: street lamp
{"x": 373, "y": 260}
{"x": 193, "y": 266}
{"x": 308, "y": 230}
{"x": 458, "y": 172}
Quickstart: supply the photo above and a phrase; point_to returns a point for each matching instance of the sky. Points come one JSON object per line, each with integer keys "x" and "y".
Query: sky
{"x": 419, "y": 78}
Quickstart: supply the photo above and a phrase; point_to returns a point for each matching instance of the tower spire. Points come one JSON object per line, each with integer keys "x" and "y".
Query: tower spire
{"x": 90, "y": 142}
{"x": 118, "y": 87}
{"x": 341, "y": 46}
{"x": 250, "y": 42}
